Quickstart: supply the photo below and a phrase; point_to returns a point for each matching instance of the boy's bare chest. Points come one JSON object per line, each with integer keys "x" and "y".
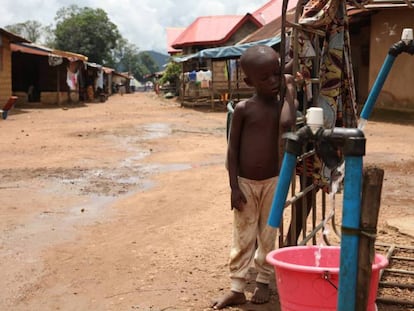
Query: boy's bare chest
{"x": 263, "y": 118}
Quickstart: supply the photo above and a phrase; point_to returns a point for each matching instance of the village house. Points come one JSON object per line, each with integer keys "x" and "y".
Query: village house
{"x": 373, "y": 30}
{"x": 205, "y": 35}
{"x": 35, "y": 73}
{"x": 6, "y": 39}
{"x": 204, "y": 80}
{"x": 41, "y": 74}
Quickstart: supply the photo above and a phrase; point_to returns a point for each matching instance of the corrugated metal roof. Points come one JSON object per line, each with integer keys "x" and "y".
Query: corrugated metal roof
{"x": 15, "y": 47}
{"x": 208, "y": 30}
{"x": 31, "y": 48}
{"x": 172, "y": 34}
{"x": 272, "y": 10}
{"x": 271, "y": 29}
{"x": 12, "y": 36}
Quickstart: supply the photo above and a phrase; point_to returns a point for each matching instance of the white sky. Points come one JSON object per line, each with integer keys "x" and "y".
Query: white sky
{"x": 141, "y": 22}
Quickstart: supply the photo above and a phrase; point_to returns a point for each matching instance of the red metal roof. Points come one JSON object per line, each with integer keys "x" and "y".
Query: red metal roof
{"x": 172, "y": 34}
{"x": 211, "y": 30}
{"x": 272, "y": 10}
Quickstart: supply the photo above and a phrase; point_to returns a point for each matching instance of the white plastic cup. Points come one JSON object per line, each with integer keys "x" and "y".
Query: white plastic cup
{"x": 407, "y": 35}
{"x": 314, "y": 118}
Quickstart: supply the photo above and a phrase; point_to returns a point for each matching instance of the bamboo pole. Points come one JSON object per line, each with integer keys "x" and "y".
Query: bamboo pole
{"x": 370, "y": 205}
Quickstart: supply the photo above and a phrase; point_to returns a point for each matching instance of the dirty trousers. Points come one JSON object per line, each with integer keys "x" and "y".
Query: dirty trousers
{"x": 253, "y": 239}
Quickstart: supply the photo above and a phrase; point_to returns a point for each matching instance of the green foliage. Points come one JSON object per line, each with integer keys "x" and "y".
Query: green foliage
{"x": 89, "y": 32}
{"x": 172, "y": 73}
{"x": 126, "y": 57}
{"x": 148, "y": 62}
{"x": 86, "y": 31}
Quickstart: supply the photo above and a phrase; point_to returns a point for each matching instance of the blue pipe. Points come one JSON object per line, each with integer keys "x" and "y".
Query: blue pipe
{"x": 376, "y": 88}
{"x": 279, "y": 199}
{"x": 349, "y": 242}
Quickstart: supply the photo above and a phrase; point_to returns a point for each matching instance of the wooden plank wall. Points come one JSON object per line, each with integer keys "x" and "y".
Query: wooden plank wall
{"x": 5, "y": 71}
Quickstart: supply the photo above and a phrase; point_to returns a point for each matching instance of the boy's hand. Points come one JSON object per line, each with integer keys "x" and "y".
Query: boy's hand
{"x": 237, "y": 199}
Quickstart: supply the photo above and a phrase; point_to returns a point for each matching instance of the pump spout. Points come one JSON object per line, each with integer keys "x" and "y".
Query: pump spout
{"x": 406, "y": 44}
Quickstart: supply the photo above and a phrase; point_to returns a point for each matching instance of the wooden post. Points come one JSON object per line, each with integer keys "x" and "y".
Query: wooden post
{"x": 58, "y": 85}
{"x": 183, "y": 84}
{"x": 370, "y": 205}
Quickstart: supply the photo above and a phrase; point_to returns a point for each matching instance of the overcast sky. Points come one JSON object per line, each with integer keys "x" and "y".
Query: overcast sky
{"x": 141, "y": 22}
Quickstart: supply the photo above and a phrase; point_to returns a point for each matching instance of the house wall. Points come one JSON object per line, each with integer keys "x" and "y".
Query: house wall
{"x": 5, "y": 70}
{"x": 360, "y": 48}
{"x": 245, "y": 30}
{"x": 33, "y": 72}
{"x": 236, "y": 88}
{"x": 386, "y": 29}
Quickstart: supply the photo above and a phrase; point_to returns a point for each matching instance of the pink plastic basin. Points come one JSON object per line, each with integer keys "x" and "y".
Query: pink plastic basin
{"x": 303, "y": 286}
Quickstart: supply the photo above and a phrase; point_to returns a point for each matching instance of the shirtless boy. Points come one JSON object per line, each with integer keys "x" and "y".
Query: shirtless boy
{"x": 253, "y": 166}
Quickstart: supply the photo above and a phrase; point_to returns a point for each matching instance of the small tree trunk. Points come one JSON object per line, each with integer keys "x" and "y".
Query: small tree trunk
{"x": 370, "y": 205}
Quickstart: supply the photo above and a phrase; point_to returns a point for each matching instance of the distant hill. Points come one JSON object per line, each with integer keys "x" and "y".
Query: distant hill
{"x": 159, "y": 58}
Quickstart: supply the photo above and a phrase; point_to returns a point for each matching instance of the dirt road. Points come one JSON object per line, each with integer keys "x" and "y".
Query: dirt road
{"x": 123, "y": 205}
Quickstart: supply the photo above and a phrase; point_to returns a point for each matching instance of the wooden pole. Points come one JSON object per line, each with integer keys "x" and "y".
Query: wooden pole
{"x": 58, "y": 85}
{"x": 370, "y": 205}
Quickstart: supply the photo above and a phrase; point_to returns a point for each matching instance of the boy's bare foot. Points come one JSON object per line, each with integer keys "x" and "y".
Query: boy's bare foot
{"x": 231, "y": 299}
{"x": 261, "y": 294}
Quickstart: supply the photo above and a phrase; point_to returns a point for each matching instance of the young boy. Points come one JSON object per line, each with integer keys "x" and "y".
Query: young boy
{"x": 253, "y": 166}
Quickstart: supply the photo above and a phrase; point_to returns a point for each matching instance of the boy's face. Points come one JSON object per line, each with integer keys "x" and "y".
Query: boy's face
{"x": 265, "y": 76}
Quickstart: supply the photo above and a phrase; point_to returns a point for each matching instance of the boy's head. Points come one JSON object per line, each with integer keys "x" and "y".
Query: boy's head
{"x": 260, "y": 64}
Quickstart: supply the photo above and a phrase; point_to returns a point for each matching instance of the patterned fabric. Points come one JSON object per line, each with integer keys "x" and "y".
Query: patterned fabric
{"x": 337, "y": 88}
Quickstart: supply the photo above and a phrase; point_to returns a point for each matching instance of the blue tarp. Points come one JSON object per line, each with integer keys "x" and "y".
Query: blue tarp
{"x": 223, "y": 52}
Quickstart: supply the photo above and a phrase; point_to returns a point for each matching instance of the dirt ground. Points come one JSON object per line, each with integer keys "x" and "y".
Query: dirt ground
{"x": 124, "y": 205}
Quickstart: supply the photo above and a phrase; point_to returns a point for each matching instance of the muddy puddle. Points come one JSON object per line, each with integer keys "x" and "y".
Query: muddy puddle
{"x": 96, "y": 190}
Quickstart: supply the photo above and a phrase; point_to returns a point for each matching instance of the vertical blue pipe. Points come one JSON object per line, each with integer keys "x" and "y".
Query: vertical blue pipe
{"x": 279, "y": 199}
{"x": 376, "y": 88}
{"x": 349, "y": 242}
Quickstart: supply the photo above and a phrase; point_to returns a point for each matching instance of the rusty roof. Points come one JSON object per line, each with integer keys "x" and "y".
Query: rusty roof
{"x": 12, "y": 37}
{"x": 31, "y": 48}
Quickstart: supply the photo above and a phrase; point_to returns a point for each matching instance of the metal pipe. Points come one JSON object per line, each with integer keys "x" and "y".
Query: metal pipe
{"x": 406, "y": 44}
{"x": 294, "y": 143}
{"x": 354, "y": 150}
{"x": 279, "y": 199}
{"x": 376, "y": 88}
{"x": 349, "y": 240}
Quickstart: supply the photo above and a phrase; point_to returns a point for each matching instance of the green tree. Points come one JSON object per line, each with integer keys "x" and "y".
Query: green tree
{"x": 49, "y": 39}
{"x": 31, "y": 30}
{"x": 125, "y": 58}
{"x": 148, "y": 62}
{"x": 86, "y": 31}
{"x": 171, "y": 73}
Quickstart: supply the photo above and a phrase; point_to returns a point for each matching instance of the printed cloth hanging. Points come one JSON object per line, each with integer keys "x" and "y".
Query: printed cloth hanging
{"x": 337, "y": 88}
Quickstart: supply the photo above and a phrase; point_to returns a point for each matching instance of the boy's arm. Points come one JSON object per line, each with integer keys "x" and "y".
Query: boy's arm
{"x": 237, "y": 197}
{"x": 290, "y": 104}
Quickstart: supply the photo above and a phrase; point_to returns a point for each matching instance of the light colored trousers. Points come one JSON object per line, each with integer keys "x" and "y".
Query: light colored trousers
{"x": 253, "y": 239}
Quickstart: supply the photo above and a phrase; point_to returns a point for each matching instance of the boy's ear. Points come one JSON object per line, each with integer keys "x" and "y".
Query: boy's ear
{"x": 247, "y": 81}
